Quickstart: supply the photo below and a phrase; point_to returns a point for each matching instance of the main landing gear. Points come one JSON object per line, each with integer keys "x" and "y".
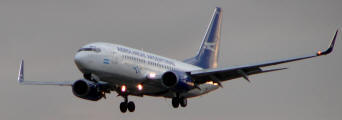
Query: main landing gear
{"x": 127, "y": 105}
{"x": 176, "y": 101}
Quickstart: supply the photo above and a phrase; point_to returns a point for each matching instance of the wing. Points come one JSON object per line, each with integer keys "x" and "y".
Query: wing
{"x": 223, "y": 74}
{"x": 21, "y": 79}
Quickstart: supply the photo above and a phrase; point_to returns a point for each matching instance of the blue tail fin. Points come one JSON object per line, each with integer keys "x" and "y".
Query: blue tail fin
{"x": 208, "y": 53}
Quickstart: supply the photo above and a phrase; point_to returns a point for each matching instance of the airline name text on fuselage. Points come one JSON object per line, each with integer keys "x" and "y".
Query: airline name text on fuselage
{"x": 141, "y": 54}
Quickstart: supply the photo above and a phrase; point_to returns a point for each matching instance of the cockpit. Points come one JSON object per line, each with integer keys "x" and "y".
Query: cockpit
{"x": 90, "y": 48}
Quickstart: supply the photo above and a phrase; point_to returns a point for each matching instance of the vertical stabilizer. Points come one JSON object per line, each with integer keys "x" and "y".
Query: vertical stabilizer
{"x": 207, "y": 55}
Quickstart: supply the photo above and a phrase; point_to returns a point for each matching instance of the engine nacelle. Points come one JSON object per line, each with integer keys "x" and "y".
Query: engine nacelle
{"x": 177, "y": 81}
{"x": 87, "y": 90}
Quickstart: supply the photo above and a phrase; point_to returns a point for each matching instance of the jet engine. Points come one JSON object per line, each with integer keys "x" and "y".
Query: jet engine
{"x": 88, "y": 90}
{"x": 177, "y": 81}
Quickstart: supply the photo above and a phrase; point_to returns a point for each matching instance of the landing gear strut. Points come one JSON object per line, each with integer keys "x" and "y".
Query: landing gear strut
{"x": 127, "y": 105}
{"x": 179, "y": 100}
{"x": 87, "y": 76}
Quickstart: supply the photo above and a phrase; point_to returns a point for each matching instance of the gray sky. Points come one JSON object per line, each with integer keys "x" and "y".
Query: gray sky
{"x": 47, "y": 33}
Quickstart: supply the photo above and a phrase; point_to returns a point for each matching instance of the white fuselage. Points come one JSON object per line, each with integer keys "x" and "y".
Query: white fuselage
{"x": 120, "y": 65}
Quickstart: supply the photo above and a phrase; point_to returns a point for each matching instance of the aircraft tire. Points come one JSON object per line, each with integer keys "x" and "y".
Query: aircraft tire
{"x": 175, "y": 102}
{"x": 131, "y": 106}
{"x": 183, "y": 102}
{"x": 123, "y": 107}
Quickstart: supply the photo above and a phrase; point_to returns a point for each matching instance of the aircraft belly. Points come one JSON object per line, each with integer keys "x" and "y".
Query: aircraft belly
{"x": 125, "y": 74}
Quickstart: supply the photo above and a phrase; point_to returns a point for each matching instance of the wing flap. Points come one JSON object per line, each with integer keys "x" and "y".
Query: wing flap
{"x": 229, "y": 75}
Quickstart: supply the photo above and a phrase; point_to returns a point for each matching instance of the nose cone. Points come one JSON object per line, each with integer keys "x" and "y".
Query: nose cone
{"x": 80, "y": 59}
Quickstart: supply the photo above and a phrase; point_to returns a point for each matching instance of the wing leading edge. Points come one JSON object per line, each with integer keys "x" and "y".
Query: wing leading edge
{"x": 224, "y": 74}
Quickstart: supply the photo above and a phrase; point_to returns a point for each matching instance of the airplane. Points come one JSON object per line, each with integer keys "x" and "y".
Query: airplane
{"x": 127, "y": 71}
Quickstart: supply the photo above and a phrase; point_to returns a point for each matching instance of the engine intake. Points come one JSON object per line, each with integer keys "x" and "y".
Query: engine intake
{"x": 177, "y": 81}
{"x": 169, "y": 79}
{"x": 87, "y": 90}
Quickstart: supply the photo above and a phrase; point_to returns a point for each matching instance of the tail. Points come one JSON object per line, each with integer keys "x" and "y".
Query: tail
{"x": 207, "y": 55}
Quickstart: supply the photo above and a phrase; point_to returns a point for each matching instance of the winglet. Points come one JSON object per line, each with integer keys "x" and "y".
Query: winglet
{"x": 21, "y": 72}
{"x": 22, "y": 82}
{"x": 331, "y": 47}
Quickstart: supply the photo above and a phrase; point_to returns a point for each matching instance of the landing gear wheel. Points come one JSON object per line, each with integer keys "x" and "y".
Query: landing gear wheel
{"x": 123, "y": 107}
{"x": 175, "y": 102}
{"x": 131, "y": 106}
{"x": 183, "y": 102}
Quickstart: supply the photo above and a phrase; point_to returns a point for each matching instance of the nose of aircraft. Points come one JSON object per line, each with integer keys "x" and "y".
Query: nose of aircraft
{"x": 80, "y": 59}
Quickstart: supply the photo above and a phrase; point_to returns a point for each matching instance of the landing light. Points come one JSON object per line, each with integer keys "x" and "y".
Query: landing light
{"x": 123, "y": 88}
{"x": 152, "y": 75}
{"x": 319, "y": 52}
{"x": 211, "y": 83}
{"x": 140, "y": 87}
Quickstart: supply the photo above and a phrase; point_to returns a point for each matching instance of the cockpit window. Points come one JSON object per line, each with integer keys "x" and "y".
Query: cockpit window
{"x": 91, "y": 48}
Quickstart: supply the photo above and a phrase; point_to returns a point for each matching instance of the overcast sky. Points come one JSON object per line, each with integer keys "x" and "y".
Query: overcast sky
{"x": 47, "y": 34}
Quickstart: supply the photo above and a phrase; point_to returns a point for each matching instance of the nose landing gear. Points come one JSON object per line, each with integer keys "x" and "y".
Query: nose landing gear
{"x": 127, "y": 105}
